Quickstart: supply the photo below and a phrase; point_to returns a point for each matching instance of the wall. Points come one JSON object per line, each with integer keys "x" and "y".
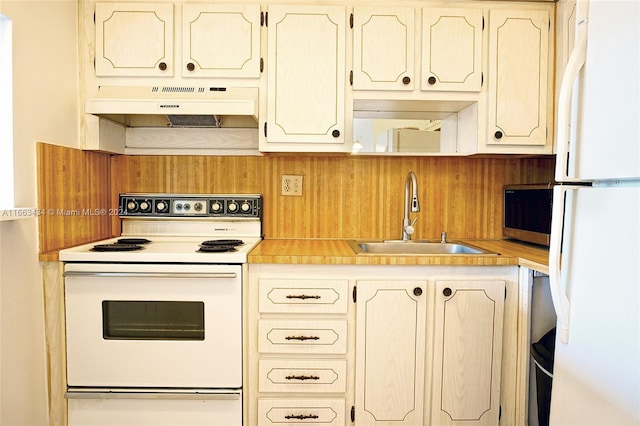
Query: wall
{"x": 345, "y": 196}
{"x": 45, "y": 109}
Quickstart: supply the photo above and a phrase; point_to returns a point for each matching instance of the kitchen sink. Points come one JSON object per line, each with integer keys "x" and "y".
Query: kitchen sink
{"x": 414, "y": 248}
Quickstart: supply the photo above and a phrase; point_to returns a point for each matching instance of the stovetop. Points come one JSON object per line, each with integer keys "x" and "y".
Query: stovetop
{"x": 162, "y": 249}
{"x": 179, "y": 228}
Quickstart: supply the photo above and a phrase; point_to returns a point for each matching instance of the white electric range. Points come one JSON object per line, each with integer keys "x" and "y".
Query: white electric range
{"x": 154, "y": 317}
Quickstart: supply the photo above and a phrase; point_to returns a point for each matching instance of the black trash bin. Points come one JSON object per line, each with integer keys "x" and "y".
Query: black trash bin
{"x": 542, "y": 353}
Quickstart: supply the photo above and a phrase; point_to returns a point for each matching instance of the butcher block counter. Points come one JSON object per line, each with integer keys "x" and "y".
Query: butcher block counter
{"x": 338, "y": 252}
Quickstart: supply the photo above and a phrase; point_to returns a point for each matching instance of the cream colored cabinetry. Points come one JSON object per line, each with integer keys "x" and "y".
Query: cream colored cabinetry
{"x": 302, "y": 346}
{"x": 467, "y": 360}
{"x": 220, "y": 40}
{"x": 383, "y": 48}
{"x": 137, "y": 39}
{"x": 384, "y": 52}
{"x": 134, "y": 39}
{"x": 306, "y": 79}
{"x": 433, "y": 345}
{"x": 390, "y": 352}
{"x": 565, "y": 37}
{"x": 451, "y": 49}
{"x": 518, "y": 81}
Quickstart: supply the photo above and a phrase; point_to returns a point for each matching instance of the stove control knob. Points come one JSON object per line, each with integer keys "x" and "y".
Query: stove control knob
{"x": 187, "y": 207}
{"x": 144, "y": 206}
{"x": 233, "y": 206}
{"x": 132, "y": 206}
{"x": 245, "y": 207}
{"x": 216, "y": 207}
{"x": 178, "y": 206}
{"x": 161, "y": 206}
{"x": 197, "y": 206}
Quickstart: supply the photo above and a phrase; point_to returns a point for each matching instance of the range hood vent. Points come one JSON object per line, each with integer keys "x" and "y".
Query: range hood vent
{"x": 183, "y": 106}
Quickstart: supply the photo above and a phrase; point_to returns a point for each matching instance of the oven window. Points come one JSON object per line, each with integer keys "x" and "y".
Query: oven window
{"x": 152, "y": 320}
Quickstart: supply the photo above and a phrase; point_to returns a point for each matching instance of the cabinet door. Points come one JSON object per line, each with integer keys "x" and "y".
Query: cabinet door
{"x": 565, "y": 35}
{"x": 467, "y": 354}
{"x": 220, "y": 40}
{"x": 306, "y": 74}
{"x": 451, "y": 49}
{"x": 134, "y": 39}
{"x": 390, "y": 352}
{"x": 383, "y": 48}
{"x": 518, "y": 61}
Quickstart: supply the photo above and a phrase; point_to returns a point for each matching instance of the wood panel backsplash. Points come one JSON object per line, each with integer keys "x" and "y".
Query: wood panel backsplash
{"x": 74, "y": 197}
{"x": 345, "y": 196}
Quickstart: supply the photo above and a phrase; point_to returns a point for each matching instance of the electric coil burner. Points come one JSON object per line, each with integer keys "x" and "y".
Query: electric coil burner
{"x": 154, "y": 317}
{"x": 182, "y": 228}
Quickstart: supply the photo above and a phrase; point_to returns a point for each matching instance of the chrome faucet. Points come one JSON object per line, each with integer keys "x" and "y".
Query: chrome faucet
{"x": 411, "y": 203}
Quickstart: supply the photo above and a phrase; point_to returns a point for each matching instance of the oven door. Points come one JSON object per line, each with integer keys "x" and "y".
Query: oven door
{"x": 153, "y": 325}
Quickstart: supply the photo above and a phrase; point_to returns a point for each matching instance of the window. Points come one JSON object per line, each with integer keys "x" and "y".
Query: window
{"x": 6, "y": 116}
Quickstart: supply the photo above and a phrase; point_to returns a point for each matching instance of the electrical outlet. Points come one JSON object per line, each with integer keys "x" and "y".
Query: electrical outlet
{"x": 292, "y": 185}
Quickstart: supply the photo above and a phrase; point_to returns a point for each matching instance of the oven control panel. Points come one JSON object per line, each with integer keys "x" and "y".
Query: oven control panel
{"x": 190, "y": 205}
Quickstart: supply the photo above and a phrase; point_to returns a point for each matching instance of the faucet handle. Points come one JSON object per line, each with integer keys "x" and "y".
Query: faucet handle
{"x": 409, "y": 229}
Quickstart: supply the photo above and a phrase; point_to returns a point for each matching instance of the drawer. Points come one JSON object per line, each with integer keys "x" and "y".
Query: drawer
{"x": 301, "y": 411}
{"x": 303, "y": 296}
{"x": 281, "y": 375}
{"x": 302, "y": 336}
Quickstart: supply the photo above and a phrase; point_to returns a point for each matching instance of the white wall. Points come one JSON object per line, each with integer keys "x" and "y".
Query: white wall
{"x": 45, "y": 110}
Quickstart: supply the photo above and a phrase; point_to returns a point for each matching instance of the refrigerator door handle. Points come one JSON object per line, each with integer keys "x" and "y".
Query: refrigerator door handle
{"x": 558, "y": 290}
{"x": 575, "y": 63}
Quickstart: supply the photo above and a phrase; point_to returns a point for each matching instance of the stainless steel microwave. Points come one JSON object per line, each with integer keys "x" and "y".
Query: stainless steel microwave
{"x": 527, "y": 212}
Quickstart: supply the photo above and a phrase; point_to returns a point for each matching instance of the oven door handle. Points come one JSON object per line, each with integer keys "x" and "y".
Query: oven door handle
{"x": 149, "y": 394}
{"x": 151, "y": 274}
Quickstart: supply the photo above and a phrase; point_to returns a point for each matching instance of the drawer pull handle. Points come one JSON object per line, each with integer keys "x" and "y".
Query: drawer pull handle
{"x": 302, "y": 296}
{"x": 301, "y": 416}
{"x": 302, "y": 338}
{"x": 302, "y": 377}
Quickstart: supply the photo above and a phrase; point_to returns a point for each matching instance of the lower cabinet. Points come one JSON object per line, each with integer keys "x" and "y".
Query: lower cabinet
{"x": 390, "y": 352}
{"x": 282, "y": 411}
{"x": 381, "y": 345}
{"x": 468, "y": 318}
{"x": 301, "y": 352}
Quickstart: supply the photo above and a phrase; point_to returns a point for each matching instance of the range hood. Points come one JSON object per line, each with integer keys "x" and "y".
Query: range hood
{"x": 183, "y": 106}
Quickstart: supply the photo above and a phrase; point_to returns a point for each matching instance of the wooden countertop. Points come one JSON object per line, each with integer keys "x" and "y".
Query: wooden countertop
{"x": 338, "y": 252}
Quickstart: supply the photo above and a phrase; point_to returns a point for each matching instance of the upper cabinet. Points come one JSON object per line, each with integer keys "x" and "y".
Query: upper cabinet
{"x": 306, "y": 78}
{"x": 137, "y": 39}
{"x": 451, "y": 49}
{"x": 134, "y": 39}
{"x": 478, "y": 73}
{"x": 383, "y": 48}
{"x": 385, "y": 54}
{"x": 220, "y": 40}
{"x": 518, "y": 90}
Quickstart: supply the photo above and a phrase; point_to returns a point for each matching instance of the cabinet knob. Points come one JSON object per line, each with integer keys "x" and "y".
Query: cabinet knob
{"x": 417, "y": 291}
{"x": 191, "y": 66}
{"x": 335, "y": 133}
{"x": 406, "y": 80}
{"x": 162, "y": 66}
{"x": 431, "y": 80}
{"x": 447, "y": 291}
{"x": 498, "y": 134}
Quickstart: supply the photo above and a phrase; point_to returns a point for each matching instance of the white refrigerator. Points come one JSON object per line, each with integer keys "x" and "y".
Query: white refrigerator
{"x": 595, "y": 239}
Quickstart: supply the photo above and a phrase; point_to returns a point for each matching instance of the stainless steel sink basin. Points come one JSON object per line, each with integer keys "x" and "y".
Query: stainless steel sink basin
{"x": 414, "y": 248}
